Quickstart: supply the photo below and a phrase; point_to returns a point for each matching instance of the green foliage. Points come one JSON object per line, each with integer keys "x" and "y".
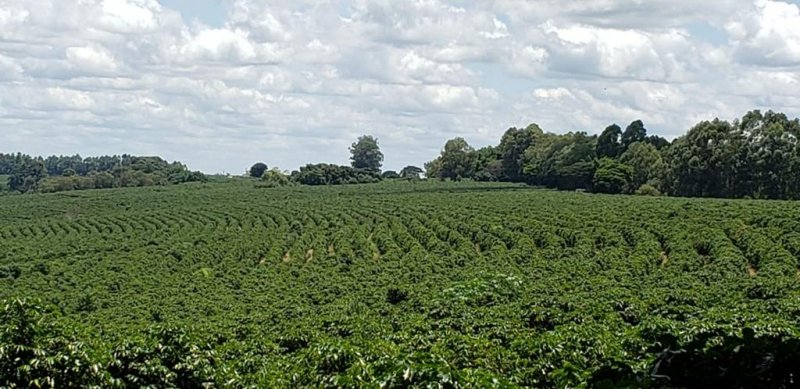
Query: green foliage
{"x": 454, "y": 284}
{"x": 327, "y": 174}
{"x": 635, "y": 132}
{"x": 26, "y": 175}
{"x": 257, "y": 170}
{"x": 646, "y": 163}
{"x": 612, "y": 176}
{"x": 512, "y": 150}
{"x": 457, "y": 161}
{"x": 488, "y": 166}
{"x": 29, "y": 174}
{"x": 608, "y": 143}
{"x": 34, "y": 353}
{"x": 755, "y": 157}
{"x": 647, "y": 190}
{"x": 703, "y": 162}
{"x": 390, "y": 175}
{"x": 274, "y": 178}
{"x": 366, "y": 154}
{"x": 411, "y": 172}
{"x": 562, "y": 161}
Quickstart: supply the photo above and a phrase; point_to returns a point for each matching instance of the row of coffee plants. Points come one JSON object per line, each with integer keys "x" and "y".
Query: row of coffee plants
{"x": 396, "y": 285}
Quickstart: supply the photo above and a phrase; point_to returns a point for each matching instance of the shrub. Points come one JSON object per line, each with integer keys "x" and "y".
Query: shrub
{"x": 647, "y": 190}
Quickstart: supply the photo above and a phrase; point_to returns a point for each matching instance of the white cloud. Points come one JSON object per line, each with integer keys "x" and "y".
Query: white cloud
{"x": 768, "y": 33}
{"x": 292, "y": 82}
{"x": 129, "y": 16}
{"x": 91, "y": 59}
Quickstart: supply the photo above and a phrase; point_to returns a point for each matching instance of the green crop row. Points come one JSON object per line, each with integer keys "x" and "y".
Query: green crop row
{"x": 401, "y": 284}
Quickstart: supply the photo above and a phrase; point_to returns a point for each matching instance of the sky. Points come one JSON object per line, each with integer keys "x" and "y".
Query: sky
{"x": 222, "y": 84}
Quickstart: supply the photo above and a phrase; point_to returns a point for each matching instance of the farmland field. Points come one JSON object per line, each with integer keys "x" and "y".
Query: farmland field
{"x": 398, "y": 284}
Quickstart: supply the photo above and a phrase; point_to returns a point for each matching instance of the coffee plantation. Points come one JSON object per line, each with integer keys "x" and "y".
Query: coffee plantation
{"x": 397, "y": 284}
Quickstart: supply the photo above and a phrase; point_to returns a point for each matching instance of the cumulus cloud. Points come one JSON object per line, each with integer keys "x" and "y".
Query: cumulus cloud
{"x": 767, "y": 33}
{"x": 290, "y": 82}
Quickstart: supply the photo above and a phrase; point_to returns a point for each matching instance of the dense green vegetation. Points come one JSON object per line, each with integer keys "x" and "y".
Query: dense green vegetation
{"x": 757, "y": 156}
{"x": 402, "y": 283}
{"x": 26, "y": 174}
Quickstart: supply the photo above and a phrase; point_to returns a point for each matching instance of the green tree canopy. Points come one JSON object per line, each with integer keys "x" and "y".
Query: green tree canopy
{"x": 772, "y": 155}
{"x": 458, "y": 159}
{"x": 561, "y": 161}
{"x": 608, "y": 143}
{"x": 258, "y": 169}
{"x": 611, "y": 176}
{"x": 646, "y": 162}
{"x": 704, "y": 161}
{"x": 27, "y": 175}
{"x": 366, "y": 154}
{"x": 274, "y": 178}
{"x": 390, "y": 175}
{"x": 512, "y": 150}
{"x": 635, "y": 132}
{"x": 488, "y": 165}
{"x": 411, "y": 172}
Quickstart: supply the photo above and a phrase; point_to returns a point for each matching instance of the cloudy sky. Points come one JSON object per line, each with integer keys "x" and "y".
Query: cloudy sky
{"x": 220, "y": 84}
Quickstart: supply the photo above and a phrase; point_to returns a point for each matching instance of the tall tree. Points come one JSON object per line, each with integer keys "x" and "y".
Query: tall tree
{"x": 704, "y": 161}
{"x": 456, "y": 161}
{"x": 488, "y": 165}
{"x": 647, "y": 164}
{"x": 608, "y": 143}
{"x": 635, "y": 132}
{"x": 512, "y": 149}
{"x": 772, "y": 154}
{"x": 258, "y": 169}
{"x": 27, "y": 175}
{"x": 366, "y": 154}
{"x": 562, "y": 161}
{"x": 658, "y": 142}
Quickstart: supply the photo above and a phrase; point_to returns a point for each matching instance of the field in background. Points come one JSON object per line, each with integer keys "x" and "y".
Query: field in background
{"x": 411, "y": 283}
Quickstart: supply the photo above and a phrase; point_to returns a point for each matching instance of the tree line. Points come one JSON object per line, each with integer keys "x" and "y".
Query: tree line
{"x": 365, "y": 167}
{"x": 756, "y": 156}
{"x": 62, "y": 173}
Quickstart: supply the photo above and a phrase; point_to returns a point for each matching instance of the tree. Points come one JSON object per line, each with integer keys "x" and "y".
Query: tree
{"x": 771, "y": 155}
{"x": 457, "y": 161}
{"x": 274, "y": 178}
{"x": 411, "y": 172}
{"x": 562, "y": 161}
{"x": 704, "y": 162}
{"x": 258, "y": 169}
{"x": 512, "y": 149}
{"x": 647, "y": 190}
{"x": 488, "y": 165}
{"x": 657, "y": 141}
{"x": 390, "y": 175}
{"x": 608, "y": 143}
{"x": 328, "y": 174}
{"x": 635, "y": 132}
{"x": 493, "y": 171}
{"x": 646, "y": 162}
{"x": 611, "y": 176}
{"x": 27, "y": 175}
{"x": 433, "y": 169}
{"x": 366, "y": 154}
